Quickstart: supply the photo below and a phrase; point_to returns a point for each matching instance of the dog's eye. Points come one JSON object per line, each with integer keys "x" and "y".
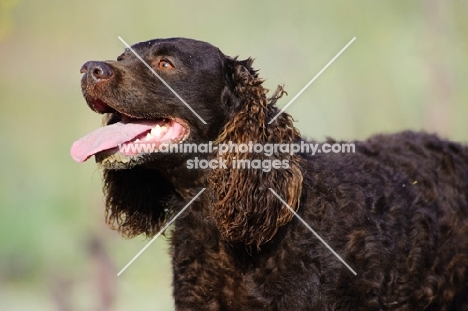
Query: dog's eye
{"x": 166, "y": 65}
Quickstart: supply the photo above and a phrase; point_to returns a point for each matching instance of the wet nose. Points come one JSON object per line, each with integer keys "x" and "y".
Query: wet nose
{"x": 97, "y": 71}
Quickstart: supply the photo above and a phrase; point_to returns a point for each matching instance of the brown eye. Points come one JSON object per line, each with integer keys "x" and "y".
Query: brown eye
{"x": 166, "y": 65}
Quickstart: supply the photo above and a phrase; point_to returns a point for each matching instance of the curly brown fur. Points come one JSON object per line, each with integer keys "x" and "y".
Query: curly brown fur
{"x": 240, "y": 199}
{"x": 396, "y": 210}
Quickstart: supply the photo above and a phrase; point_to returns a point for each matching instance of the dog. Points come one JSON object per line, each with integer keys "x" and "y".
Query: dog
{"x": 395, "y": 210}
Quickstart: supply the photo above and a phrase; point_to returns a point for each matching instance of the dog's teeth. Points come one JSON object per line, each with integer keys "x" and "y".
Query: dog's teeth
{"x": 137, "y": 140}
{"x": 149, "y": 136}
{"x": 156, "y": 131}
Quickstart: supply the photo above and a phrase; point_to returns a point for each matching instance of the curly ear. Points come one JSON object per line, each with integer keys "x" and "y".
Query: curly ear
{"x": 137, "y": 201}
{"x": 244, "y": 209}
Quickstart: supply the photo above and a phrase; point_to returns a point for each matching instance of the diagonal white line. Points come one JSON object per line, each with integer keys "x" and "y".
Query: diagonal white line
{"x": 315, "y": 233}
{"x": 162, "y": 80}
{"x": 313, "y": 79}
{"x": 161, "y": 231}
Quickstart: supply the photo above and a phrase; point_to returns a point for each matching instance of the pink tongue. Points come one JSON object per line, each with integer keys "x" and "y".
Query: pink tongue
{"x": 107, "y": 137}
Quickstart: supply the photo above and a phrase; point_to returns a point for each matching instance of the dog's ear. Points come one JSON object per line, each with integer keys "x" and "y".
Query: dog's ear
{"x": 244, "y": 208}
{"x": 138, "y": 201}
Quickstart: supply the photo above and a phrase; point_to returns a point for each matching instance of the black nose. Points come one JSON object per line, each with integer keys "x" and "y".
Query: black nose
{"x": 96, "y": 71}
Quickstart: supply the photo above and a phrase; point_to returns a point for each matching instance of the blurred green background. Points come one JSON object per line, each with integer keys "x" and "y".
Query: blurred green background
{"x": 407, "y": 69}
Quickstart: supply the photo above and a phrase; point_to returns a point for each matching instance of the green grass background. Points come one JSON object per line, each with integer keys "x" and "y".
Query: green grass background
{"x": 407, "y": 69}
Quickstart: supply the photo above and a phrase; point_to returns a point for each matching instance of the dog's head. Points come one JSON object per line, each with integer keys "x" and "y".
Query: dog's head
{"x": 171, "y": 91}
{"x": 159, "y": 91}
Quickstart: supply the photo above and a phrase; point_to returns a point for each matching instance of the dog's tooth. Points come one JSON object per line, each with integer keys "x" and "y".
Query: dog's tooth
{"x": 149, "y": 136}
{"x": 156, "y": 131}
{"x": 137, "y": 140}
{"x": 164, "y": 128}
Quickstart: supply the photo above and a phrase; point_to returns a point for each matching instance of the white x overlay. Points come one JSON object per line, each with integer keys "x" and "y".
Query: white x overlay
{"x": 203, "y": 189}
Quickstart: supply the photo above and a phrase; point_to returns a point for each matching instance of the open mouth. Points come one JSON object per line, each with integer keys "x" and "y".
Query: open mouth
{"x": 127, "y": 137}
